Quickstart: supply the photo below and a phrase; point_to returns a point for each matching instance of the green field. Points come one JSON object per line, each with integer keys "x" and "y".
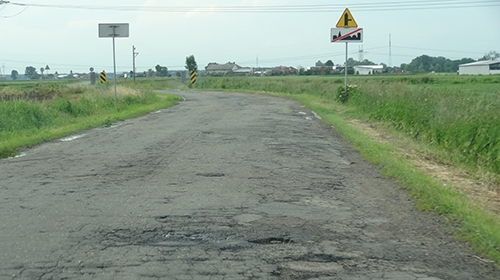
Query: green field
{"x": 32, "y": 112}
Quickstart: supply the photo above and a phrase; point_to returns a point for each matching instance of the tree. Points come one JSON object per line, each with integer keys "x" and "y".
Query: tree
{"x": 319, "y": 64}
{"x": 421, "y": 68}
{"x": 14, "y": 74}
{"x": 30, "y": 73}
{"x": 351, "y": 62}
{"x": 191, "y": 63}
{"x": 161, "y": 71}
{"x": 492, "y": 55}
{"x": 329, "y": 63}
{"x": 427, "y": 63}
{"x": 366, "y": 62}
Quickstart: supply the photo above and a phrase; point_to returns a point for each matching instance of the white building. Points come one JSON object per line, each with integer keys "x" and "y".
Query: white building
{"x": 368, "y": 69}
{"x": 486, "y": 67}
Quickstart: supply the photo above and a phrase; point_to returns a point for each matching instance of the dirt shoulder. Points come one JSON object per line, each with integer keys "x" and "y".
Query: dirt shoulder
{"x": 482, "y": 193}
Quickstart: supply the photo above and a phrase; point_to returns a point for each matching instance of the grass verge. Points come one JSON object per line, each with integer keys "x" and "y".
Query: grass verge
{"x": 473, "y": 225}
{"x": 25, "y": 123}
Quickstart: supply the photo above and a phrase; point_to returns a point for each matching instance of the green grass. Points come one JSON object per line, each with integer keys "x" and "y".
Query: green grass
{"x": 401, "y": 102}
{"x": 27, "y": 120}
{"x": 462, "y": 120}
{"x": 153, "y": 83}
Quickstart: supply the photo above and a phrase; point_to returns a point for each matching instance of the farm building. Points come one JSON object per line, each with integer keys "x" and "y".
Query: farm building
{"x": 368, "y": 69}
{"x": 486, "y": 67}
{"x": 221, "y": 69}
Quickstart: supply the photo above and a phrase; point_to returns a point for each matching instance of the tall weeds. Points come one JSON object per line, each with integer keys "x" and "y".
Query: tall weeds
{"x": 26, "y": 116}
{"x": 462, "y": 120}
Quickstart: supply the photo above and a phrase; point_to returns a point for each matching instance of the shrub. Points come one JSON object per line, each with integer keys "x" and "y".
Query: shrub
{"x": 62, "y": 105}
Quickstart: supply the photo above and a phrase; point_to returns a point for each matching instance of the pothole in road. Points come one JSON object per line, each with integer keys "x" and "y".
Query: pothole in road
{"x": 320, "y": 258}
{"x": 211, "y": 175}
{"x": 223, "y": 240}
{"x": 272, "y": 241}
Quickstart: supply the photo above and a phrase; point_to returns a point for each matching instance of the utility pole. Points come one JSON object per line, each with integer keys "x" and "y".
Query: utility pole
{"x": 134, "y": 55}
{"x": 390, "y": 51}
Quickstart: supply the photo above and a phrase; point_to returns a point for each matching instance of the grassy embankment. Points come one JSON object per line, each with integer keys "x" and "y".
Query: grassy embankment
{"x": 454, "y": 118}
{"x": 32, "y": 112}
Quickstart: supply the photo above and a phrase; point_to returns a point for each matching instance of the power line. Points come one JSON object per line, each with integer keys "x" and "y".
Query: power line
{"x": 3, "y": 7}
{"x": 15, "y": 15}
{"x": 369, "y": 7}
{"x": 423, "y": 49}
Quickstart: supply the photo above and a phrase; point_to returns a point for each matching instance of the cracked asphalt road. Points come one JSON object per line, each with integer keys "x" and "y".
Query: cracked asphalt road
{"x": 221, "y": 186}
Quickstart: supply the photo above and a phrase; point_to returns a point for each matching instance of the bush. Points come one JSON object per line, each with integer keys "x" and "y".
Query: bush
{"x": 343, "y": 96}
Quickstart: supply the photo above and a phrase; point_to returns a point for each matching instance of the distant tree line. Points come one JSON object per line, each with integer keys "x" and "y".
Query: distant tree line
{"x": 425, "y": 63}
{"x": 421, "y": 64}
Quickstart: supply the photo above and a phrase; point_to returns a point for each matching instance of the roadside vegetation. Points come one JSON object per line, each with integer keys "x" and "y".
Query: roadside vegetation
{"x": 32, "y": 112}
{"x": 453, "y": 120}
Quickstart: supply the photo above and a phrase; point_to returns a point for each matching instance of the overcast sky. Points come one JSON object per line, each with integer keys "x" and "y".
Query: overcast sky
{"x": 64, "y": 34}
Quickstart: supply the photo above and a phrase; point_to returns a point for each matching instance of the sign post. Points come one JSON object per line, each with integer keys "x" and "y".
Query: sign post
{"x": 102, "y": 77}
{"x": 347, "y": 31}
{"x": 114, "y": 30}
{"x": 92, "y": 76}
{"x": 134, "y": 55}
{"x": 193, "y": 77}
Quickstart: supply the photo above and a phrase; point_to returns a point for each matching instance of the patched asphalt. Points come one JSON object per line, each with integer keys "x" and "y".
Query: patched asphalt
{"x": 220, "y": 186}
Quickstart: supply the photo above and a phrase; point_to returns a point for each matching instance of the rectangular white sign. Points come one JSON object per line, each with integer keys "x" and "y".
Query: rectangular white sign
{"x": 110, "y": 30}
{"x": 349, "y": 35}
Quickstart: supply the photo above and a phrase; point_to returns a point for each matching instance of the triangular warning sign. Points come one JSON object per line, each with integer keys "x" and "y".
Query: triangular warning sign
{"x": 346, "y": 20}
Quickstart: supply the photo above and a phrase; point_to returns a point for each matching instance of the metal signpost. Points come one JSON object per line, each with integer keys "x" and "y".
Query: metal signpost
{"x": 193, "y": 77}
{"x": 92, "y": 76}
{"x": 114, "y": 30}
{"x": 347, "y": 31}
{"x": 134, "y": 55}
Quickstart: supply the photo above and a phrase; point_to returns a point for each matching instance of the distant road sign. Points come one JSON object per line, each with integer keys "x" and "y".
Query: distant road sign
{"x": 103, "y": 77}
{"x": 91, "y": 69}
{"x": 193, "y": 77}
{"x": 350, "y": 35}
{"x": 346, "y": 20}
{"x": 116, "y": 30}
